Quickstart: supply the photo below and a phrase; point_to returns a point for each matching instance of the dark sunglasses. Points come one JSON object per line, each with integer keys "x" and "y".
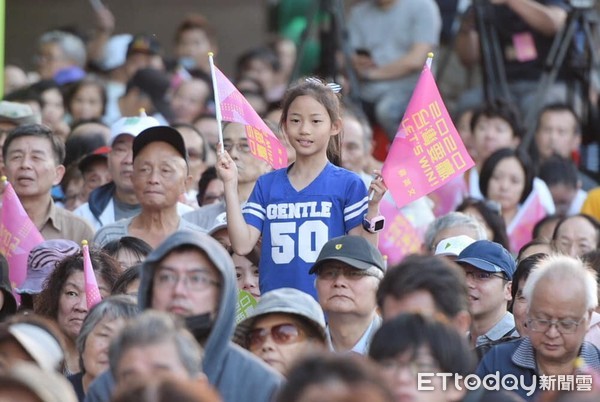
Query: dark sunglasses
{"x": 281, "y": 334}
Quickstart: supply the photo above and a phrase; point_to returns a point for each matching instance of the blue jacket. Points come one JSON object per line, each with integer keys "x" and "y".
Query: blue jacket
{"x": 518, "y": 358}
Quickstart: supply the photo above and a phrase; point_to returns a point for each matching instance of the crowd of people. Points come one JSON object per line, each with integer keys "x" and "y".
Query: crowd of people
{"x": 223, "y": 279}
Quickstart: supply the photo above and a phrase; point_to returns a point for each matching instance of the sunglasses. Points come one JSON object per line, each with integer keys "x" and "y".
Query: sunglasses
{"x": 282, "y": 334}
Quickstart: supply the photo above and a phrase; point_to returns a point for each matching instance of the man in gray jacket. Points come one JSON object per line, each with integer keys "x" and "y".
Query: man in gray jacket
{"x": 191, "y": 275}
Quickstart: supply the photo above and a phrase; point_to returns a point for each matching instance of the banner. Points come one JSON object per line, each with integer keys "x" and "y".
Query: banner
{"x": 427, "y": 151}
{"x": 520, "y": 229}
{"x": 232, "y": 106}
{"x": 18, "y": 235}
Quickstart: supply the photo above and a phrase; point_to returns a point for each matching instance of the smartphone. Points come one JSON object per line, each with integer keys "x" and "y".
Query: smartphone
{"x": 363, "y": 52}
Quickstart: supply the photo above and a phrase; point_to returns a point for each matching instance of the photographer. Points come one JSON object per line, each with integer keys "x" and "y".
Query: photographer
{"x": 525, "y": 32}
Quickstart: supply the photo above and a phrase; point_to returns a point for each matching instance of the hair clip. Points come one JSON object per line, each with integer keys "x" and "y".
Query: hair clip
{"x": 335, "y": 88}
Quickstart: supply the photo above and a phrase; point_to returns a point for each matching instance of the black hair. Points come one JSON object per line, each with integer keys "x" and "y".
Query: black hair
{"x": 135, "y": 245}
{"x": 207, "y": 176}
{"x": 438, "y": 276}
{"x": 126, "y": 278}
{"x": 492, "y": 217}
{"x": 40, "y": 131}
{"x": 532, "y": 243}
{"x": 487, "y": 170}
{"x": 87, "y": 81}
{"x": 560, "y": 107}
{"x": 522, "y": 272}
{"x": 358, "y": 375}
{"x": 412, "y": 331}
{"x": 503, "y": 110}
{"x": 205, "y": 147}
{"x": 558, "y": 170}
{"x": 540, "y": 224}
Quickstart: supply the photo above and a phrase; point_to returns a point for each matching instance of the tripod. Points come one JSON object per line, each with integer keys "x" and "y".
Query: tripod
{"x": 570, "y": 37}
{"x": 333, "y": 37}
{"x": 495, "y": 86}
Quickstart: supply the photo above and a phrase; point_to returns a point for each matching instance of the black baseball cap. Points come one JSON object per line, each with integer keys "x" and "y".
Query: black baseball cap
{"x": 160, "y": 133}
{"x": 355, "y": 251}
{"x": 142, "y": 43}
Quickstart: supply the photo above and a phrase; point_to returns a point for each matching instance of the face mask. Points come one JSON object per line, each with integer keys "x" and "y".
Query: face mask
{"x": 199, "y": 326}
{"x": 188, "y": 63}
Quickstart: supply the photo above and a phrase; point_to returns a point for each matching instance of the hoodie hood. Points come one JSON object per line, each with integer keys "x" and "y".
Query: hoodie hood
{"x": 219, "y": 336}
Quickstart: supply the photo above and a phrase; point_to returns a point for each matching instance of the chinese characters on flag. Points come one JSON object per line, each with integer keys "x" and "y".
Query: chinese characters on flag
{"x": 18, "y": 235}
{"x": 235, "y": 108}
{"x": 427, "y": 151}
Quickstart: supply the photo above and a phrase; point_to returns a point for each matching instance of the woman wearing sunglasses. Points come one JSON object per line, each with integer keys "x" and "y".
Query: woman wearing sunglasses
{"x": 286, "y": 324}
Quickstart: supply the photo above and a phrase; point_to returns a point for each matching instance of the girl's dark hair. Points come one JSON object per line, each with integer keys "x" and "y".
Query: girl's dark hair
{"x": 491, "y": 216}
{"x": 127, "y": 277}
{"x": 208, "y": 175}
{"x": 410, "y": 332}
{"x": 487, "y": 170}
{"x": 47, "y": 301}
{"x": 503, "y": 110}
{"x": 318, "y": 90}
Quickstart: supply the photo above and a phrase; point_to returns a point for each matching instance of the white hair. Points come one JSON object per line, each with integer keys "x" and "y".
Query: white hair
{"x": 562, "y": 268}
{"x": 452, "y": 220}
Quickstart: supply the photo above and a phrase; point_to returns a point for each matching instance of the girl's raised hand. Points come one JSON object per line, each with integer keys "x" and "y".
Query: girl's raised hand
{"x": 226, "y": 168}
{"x": 377, "y": 188}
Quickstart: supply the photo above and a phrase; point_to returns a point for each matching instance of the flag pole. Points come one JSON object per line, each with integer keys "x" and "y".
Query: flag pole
{"x": 217, "y": 104}
{"x": 429, "y": 60}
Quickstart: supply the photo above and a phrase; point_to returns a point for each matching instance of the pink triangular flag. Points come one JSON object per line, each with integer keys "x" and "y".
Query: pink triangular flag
{"x": 92, "y": 293}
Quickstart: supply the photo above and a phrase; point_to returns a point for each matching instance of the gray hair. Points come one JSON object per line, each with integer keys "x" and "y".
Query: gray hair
{"x": 562, "y": 268}
{"x": 154, "y": 327}
{"x": 113, "y": 307}
{"x": 72, "y": 46}
{"x": 450, "y": 220}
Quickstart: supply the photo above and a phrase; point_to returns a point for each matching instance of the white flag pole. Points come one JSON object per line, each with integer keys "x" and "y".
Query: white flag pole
{"x": 217, "y": 101}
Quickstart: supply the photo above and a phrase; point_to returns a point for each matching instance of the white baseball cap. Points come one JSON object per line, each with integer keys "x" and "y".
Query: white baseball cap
{"x": 131, "y": 125}
{"x": 453, "y": 246}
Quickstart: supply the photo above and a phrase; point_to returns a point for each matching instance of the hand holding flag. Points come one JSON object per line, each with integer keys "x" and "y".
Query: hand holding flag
{"x": 18, "y": 234}
{"x": 231, "y": 105}
{"x": 427, "y": 151}
{"x": 92, "y": 293}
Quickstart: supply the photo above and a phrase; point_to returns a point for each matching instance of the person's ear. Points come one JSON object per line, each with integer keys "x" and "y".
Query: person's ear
{"x": 516, "y": 141}
{"x": 336, "y": 127}
{"x": 507, "y": 291}
{"x": 59, "y": 174}
{"x": 576, "y": 143}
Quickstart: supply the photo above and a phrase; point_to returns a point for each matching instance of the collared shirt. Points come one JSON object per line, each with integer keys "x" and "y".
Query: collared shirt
{"x": 518, "y": 358}
{"x": 504, "y": 327}
{"x": 362, "y": 346}
{"x": 62, "y": 224}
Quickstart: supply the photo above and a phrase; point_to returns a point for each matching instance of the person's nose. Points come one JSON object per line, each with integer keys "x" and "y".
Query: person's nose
{"x": 81, "y": 304}
{"x": 128, "y": 158}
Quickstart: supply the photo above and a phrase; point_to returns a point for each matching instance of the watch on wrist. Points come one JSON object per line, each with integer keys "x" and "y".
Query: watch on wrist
{"x": 374, "y": 225}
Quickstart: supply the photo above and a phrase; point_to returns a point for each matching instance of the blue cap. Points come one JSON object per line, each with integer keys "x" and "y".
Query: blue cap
{"x": 488, "y": 256}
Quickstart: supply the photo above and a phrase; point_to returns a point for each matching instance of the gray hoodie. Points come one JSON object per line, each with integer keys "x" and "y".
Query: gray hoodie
{"x": 236, "y": 373}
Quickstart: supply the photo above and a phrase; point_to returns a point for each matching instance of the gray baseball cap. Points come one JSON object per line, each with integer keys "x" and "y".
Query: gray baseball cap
{"x": 285, "y": 301}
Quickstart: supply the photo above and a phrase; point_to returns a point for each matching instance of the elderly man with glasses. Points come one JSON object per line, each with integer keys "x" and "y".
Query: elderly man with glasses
{"x": 561, "y": 294}
{"x": 349, "y": 270}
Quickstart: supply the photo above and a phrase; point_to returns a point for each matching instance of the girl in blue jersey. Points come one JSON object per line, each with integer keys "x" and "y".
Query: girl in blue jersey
{"x": 299, "y": 208}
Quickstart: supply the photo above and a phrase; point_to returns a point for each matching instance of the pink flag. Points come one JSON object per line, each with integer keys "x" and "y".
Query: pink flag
{"x": 399, "y": 237}
{"x": 234, "y": 107}
{"x": 520, "y": 230}
{"x": 92, "y": 293}
{"x": 18, "y": 235}
{"x": 427, "y": 151}
{"x": 449, "y": 196}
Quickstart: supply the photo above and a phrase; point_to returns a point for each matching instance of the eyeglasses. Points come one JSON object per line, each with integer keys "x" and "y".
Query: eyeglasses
{"x": 562, "y": 326}
{"x": 193, "y": 280}
{"x": 414, "y": 367}
{"x": 353, "y": 274}
{"x": 282, "y": 334}
{"x": 242, "y": 147}
{"x": 483, "y": 276}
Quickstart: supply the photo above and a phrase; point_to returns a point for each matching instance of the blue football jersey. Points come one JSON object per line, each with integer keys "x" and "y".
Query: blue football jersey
{"x": 296, "y": 224}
